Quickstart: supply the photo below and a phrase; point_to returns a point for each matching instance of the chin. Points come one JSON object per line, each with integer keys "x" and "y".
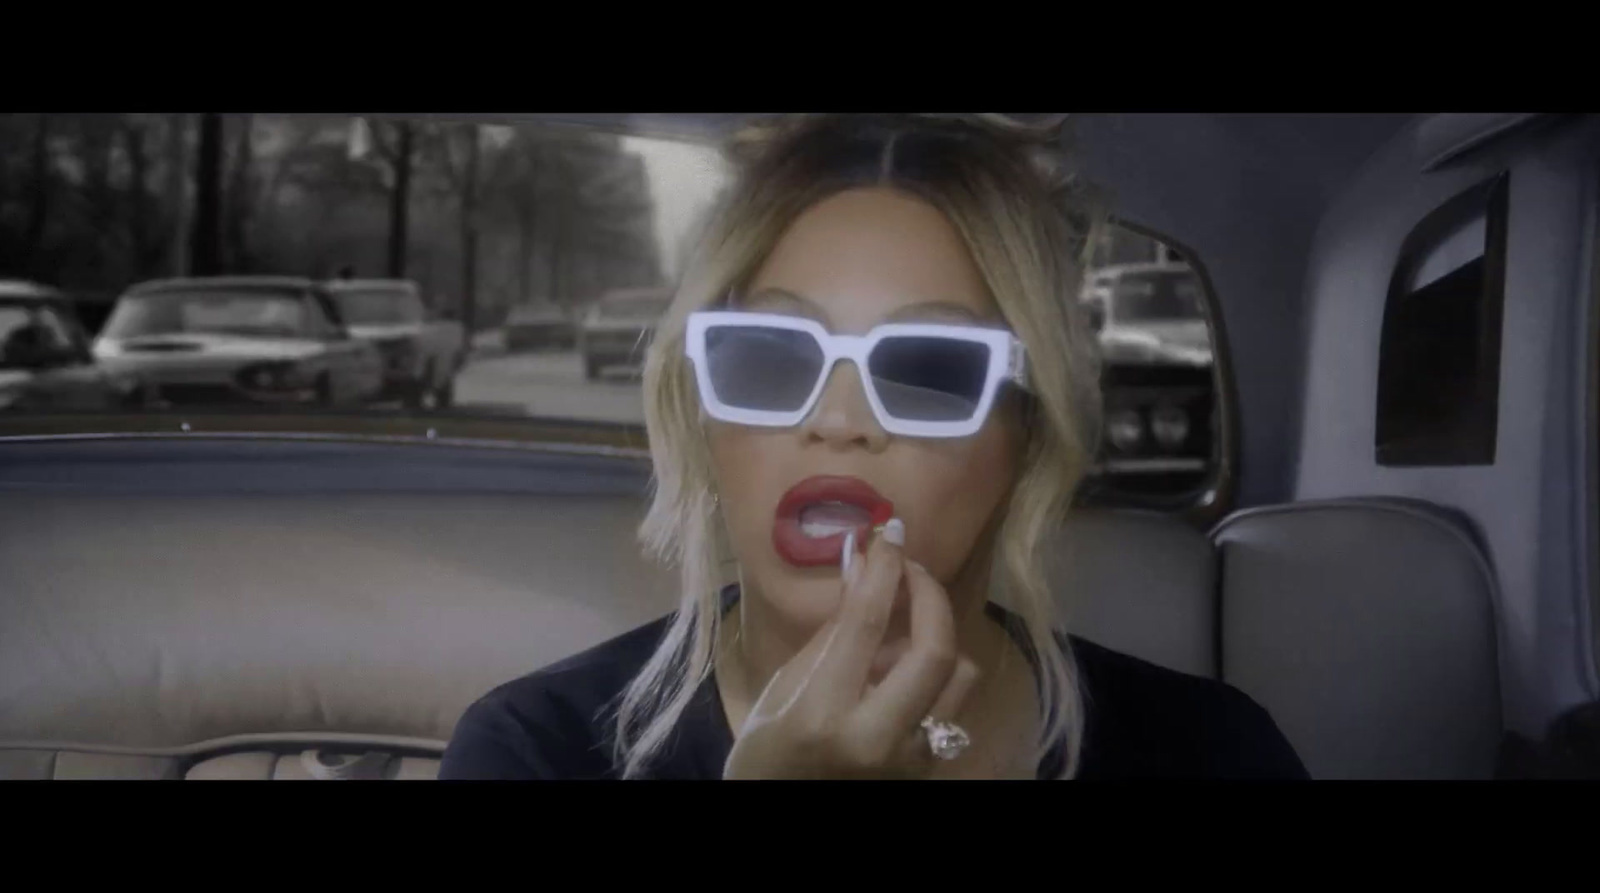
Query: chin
{"x": 802, "y": 599}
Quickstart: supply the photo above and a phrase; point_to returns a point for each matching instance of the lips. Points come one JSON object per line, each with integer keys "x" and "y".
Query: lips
{"x": 809, "y": 527}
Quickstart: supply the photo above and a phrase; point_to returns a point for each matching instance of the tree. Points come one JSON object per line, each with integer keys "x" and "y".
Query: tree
{"x": 457, "y": 152}
{"x": 39, "y": 211}
{"x": 239, "y": 199}
{"x": 586, "y": 200}
{"x": 206, "y": 255}
{"x": 393, "y": 141}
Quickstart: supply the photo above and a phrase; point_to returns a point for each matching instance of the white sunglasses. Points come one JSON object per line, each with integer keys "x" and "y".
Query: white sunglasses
{"x": 921, "y": 379}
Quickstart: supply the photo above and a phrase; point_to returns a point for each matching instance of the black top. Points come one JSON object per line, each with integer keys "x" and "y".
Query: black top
{"x": 1142, "y": 721}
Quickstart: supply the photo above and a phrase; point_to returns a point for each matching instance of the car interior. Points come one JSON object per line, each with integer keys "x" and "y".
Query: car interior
{"x": 1395, "y": 553}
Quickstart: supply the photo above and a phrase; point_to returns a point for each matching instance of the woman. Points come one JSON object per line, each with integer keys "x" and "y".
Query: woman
{"x": 872, "y": 398}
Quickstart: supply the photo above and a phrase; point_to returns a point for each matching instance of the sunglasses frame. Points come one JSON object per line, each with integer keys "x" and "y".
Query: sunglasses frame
{"x": 1007, "y": 363}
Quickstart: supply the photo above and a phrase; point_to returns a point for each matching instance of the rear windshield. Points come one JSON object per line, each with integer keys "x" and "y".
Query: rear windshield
{"x": 222, "y": 312}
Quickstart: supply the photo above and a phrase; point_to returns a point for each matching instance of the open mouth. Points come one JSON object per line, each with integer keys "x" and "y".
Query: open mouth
{"x": 814, "y": 516}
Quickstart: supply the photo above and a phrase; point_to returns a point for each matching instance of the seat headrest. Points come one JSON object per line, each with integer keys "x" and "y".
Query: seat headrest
{"x": 1141, "y": 583}
{"x": 164, "y": 623}
{"x": 1367, "y": 628}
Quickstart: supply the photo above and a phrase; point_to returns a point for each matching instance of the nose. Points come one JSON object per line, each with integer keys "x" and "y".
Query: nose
{"x": 842, "y": 416}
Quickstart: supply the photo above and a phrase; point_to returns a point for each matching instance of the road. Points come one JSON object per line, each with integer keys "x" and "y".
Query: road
{"x": 545, "y": 384}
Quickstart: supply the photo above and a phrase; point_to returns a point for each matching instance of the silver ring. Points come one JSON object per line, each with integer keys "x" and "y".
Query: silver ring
{"x": 946, "y": 739}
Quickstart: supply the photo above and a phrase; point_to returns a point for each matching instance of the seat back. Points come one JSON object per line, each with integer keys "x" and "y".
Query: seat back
{"x": 1367, "y": 629}
{"x": 1141, "y": 583}
{"x": 291, "y": 636}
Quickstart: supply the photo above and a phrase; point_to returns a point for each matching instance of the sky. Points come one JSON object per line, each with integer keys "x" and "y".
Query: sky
{"x": 684, "y": 179}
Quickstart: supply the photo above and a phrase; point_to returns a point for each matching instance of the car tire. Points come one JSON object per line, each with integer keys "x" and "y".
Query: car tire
{"x": 324, "y": 391}
{"x": 445, "y": 395}
{"x": 418, "y": 392}
{"x": 591, "y": 370}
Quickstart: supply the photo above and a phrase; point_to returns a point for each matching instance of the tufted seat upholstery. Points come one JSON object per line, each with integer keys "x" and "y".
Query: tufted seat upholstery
{"x": 308, "y": 635}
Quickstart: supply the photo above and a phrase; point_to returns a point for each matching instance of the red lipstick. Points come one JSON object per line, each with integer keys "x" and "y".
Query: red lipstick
{"x": 809, "y": 526}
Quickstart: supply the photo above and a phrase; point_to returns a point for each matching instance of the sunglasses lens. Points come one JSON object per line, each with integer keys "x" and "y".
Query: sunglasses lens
{"x": 924, "y": 379}
{"x": 762, "y": 368}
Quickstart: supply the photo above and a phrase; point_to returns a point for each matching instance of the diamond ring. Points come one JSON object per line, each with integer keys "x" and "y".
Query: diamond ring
{"x": 946, "y": 739}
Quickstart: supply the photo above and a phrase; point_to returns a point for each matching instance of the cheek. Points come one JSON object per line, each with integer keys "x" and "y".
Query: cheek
{"x": 956, "y": 492}
{"x": 753, "y": 469}
{"x": 744, "y": 465}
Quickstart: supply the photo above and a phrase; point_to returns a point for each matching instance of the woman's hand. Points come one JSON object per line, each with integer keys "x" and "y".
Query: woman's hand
{"x": 818, "y": 719}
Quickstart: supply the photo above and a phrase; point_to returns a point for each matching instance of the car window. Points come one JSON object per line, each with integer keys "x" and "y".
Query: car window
{"x": 208, "y": 312}
{"x": 1163, "y": 438}
{"x": 547, "y": 254}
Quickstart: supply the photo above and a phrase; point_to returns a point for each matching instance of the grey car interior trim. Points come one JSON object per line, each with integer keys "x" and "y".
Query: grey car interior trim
{"x": 1443, "y": 139}
{"x": 1527, "y": 502}
{"x": 1368, "y": 627}
{"x": 1587, "y": 476}
{"x": 1464, "y": 531}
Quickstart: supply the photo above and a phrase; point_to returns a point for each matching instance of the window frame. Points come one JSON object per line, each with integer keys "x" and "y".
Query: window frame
{"x": 1215, "y": 497}
{"x": 1490, "y": 199}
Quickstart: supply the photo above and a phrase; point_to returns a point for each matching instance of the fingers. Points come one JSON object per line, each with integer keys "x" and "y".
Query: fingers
{"x": 965, "y": 678}
{"x": 918, "y": 680}
{"x": 792, "y": 679}
{"x": 863, "y": 618}
{"x": 915, "y": 749}
{"x": 824, "y": 678}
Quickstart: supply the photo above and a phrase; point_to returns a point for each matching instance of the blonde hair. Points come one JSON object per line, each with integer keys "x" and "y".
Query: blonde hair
{"x": 1028, "y": 225}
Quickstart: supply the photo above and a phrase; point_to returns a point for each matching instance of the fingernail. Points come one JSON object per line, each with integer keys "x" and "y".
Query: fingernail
{"x": 847, "y": 555}
{"x": 894, "y": 531}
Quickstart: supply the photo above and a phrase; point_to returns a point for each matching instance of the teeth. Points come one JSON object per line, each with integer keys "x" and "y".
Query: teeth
{"x": 831, "y": 519}
{"x": 821, "y": 529}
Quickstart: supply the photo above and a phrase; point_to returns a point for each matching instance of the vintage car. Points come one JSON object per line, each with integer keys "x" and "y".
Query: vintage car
{"x": 421, "y": 352}
{"x": 45, "y": 362}
{"x": 238, "y": 340}
{"x": 618, "y": 328}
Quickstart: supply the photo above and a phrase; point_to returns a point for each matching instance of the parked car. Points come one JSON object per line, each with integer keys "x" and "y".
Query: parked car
{"x": 1096, "y": 295}
{"x": 619, "y": 327}
{"x": 421, "y": 352}
{"x": 1159, "y": 304}
{"x": 1157, "y": 378}
{"x": 540, "y": 326}
{"x": 45, "y": 362}
{"x": 250, "y": 340}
